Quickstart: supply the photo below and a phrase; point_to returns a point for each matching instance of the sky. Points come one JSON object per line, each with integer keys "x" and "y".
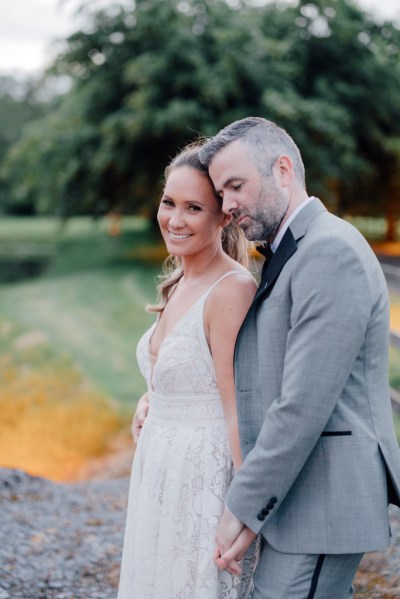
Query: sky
{"x": 29, "y": 29}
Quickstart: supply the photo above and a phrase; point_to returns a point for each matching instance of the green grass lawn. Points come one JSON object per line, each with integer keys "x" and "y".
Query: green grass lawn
{"x": 72, "y": 301}
{"x": 89, "y": 299}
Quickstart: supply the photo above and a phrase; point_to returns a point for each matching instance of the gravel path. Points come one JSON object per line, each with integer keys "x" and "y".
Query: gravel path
{"x": 60, "y": 541}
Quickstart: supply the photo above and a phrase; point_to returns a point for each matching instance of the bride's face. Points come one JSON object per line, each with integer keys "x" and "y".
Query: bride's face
{"x": 189, "y": 215}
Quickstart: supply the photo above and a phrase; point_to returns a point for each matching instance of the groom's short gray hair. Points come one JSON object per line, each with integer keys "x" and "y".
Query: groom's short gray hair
{"x": 265, "y": 141}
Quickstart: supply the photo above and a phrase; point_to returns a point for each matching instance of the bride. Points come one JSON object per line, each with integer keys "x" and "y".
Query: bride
{"x": 188, "y": 447}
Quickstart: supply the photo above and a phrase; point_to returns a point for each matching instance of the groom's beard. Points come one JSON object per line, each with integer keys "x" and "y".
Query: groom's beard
{"x": 268, "y": 212}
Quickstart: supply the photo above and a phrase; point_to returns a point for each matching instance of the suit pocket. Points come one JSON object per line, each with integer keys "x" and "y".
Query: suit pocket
{"x": 336, "y": 433}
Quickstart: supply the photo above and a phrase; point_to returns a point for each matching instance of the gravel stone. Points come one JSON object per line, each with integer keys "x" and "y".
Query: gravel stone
{"x": 64, "y": 541}
{"x": 60, "y": 541}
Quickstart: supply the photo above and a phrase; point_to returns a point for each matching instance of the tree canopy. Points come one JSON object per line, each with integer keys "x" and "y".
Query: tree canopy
{"x": 18, "y": 105}
{"x": 146, "y": 80}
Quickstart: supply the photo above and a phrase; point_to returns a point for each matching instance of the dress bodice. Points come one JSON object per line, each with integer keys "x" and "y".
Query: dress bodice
{"x": 184, "y": 366}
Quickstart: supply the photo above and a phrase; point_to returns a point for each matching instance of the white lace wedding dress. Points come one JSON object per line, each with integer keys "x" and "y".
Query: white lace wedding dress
{"x": 181, "y": 472}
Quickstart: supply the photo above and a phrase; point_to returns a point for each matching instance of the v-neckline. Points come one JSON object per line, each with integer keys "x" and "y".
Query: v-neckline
{"x": 154, "y": 357}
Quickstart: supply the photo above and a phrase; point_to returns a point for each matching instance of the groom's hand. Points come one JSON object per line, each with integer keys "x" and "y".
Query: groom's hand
{"x": 231, "y": 560}
{"x": 232, "y": 542}
{"x": 228, "y": 531}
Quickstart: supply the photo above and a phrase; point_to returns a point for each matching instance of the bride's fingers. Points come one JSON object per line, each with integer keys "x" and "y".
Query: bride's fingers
{"x": 225, "y": 562}
{"x": 233, "y": 567}
{"x": 236, "y": 567}
{"x": 217, "y": 553}
{"x": 237, "y": 550}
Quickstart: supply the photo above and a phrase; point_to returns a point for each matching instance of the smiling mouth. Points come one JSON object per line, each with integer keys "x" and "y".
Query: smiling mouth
{"x": 176, "y": 237}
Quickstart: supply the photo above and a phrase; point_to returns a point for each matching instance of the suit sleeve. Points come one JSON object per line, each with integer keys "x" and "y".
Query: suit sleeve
{"x": 331, "y": 307}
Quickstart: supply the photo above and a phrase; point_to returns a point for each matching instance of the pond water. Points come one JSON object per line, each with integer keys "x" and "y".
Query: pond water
{"x": 14, "y": 269}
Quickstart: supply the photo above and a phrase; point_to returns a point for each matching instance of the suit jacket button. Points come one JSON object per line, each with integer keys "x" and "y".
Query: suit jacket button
{"x": 270, "y": 505}
{"x": 273, "y": 500}
{"x": 260, "y": 517}
{"x": 265, "y": 511}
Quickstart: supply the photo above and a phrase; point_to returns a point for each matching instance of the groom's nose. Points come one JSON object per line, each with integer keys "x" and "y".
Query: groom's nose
{"x": 229, "y": 203}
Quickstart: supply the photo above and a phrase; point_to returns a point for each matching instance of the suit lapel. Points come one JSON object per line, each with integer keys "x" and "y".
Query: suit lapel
{"x": 288, "y": 245}
{"x": 286, "y": 249}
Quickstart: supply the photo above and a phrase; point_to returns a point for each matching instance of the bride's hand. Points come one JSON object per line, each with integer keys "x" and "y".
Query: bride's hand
{"x": 140, "y": 416}
{"x": 231, "y": 559}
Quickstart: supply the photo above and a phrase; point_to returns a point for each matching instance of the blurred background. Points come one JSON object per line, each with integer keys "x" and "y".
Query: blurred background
{"x": 95, "y": 98}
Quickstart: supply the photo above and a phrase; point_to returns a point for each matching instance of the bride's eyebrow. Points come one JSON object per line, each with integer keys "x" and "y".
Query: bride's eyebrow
{"x": 197, "y": 202}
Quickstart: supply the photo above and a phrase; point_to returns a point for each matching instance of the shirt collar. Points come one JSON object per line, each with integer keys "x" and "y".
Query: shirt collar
{"x": 285, "y": 226}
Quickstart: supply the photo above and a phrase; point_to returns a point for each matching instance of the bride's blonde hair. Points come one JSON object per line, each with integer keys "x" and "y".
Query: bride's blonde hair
{"x": 234, "y": 242}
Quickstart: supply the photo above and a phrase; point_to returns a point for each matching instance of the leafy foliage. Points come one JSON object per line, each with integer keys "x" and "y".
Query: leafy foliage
{"x": 146, "y": 80}
{"x": 19, "y": 105}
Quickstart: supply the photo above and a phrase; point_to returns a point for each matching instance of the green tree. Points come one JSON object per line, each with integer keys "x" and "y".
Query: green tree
{"x": 19, "y": 105}
{"x": 350, "y": 65}
{"x": 146, "y": 80}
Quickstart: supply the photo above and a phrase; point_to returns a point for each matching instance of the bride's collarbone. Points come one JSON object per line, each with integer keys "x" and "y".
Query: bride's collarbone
{"x": 179, "y": 303}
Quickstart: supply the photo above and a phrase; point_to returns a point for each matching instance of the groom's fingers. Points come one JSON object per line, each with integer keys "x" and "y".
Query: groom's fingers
{"x": 228, "y": 531}
{"x": 227, "y": 562}
{"x": 237, "y": 551}
{"x": 235, "y": 568}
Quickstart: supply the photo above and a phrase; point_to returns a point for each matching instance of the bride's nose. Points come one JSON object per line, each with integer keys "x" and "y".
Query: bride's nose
{"x": 176, "y": 220}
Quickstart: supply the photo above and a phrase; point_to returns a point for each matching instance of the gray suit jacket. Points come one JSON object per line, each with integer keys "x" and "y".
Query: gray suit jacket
{"x": 315, "y": 420}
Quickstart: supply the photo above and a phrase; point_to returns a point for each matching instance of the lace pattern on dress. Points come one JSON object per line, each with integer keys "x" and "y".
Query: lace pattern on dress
{"x": 181, "y": 473}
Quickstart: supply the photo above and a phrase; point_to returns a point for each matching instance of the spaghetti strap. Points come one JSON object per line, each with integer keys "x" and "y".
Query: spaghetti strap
{"x": 236, "y": 271}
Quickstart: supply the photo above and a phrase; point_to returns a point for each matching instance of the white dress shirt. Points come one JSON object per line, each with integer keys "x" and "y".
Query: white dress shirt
{"x": 282, "y": 231}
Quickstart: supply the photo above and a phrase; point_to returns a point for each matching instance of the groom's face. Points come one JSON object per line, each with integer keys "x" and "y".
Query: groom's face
{"x": 257, "y": 203}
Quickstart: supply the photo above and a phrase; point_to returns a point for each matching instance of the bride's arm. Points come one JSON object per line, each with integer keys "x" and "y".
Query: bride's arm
{"x": 225, "y": 311}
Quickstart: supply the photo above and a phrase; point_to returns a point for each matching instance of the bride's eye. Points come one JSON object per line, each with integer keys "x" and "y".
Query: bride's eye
{"x": 167, "y": 202}
{"x": 194, "y": 208}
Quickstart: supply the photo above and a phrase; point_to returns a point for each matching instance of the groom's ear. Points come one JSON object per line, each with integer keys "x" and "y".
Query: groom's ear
{"x": 284, "y": 170}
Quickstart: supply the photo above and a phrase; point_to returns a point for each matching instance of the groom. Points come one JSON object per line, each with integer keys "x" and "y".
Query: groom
{"x": 311, "y": 366}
